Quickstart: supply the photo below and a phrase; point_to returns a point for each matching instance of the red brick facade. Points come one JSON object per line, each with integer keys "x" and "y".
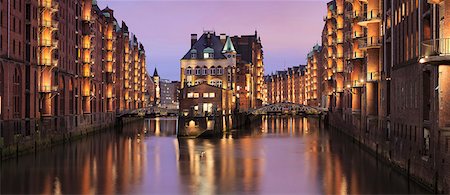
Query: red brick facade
{"x": 61, "y": 68}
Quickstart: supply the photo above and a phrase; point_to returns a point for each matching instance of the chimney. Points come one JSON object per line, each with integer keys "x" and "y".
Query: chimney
{"x": 223, "y": 38}
{"x": 193, "y": 39}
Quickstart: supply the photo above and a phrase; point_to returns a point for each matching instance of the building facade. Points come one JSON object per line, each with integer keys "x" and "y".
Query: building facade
{"x": 287, "y": 86}
{"x": 383, "y": 61}
{"x": 62, "y": 69}
{"x": 231, "y": 64}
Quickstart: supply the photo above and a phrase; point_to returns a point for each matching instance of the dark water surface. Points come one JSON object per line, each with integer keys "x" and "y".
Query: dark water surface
{"x": 282, "y": 155}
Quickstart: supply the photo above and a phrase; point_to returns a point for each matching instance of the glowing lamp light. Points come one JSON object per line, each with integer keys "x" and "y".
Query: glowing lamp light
{"x": 422, "y": 60}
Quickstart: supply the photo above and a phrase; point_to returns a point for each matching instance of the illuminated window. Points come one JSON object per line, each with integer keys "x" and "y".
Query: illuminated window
{"x": 190, "y": 95}
{"x": 205, "y": 95}
{"x": 196, "y": 95}
{"x": 212, "y": 95}
{"x": 196, "y": 108}
{"x": 208, "y": 53}
{"x": 198, "y": 82}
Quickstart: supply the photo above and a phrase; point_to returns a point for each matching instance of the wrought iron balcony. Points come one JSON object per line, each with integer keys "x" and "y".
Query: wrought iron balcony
{"x": 372, "y": 77}
{"x": 371, "y": 16}
{"x": 435, "y": 51}
{"x": 48, "y": 89}
{"x": 370, "y": 42}
{"x": 357, "y": 84}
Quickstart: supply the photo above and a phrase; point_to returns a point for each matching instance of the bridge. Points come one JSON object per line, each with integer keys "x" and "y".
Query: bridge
{"x": 289, "y": 108}
{"x": 148, "y": 112}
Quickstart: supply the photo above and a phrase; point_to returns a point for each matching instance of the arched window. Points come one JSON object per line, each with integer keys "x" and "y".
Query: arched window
{"x": 16, "y": 92}
{"x": 198, "y": 82}
{"x": 198, "y": 70}
{"x": 216, "y": 82}
{"x": 189, "y": 71}
{"x": 205, "y": 70}
{"x": 61, "y": 95}
{"x": 71, "y": 96}
{"x": 219, "y": 70}
{"x": 213, "y": 70}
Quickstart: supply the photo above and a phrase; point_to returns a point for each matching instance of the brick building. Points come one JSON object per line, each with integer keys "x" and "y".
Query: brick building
{"x": 386, "y": 81}
{"x": 62, "y": 69}
{"x": 287, "y": 86}
{"x": 231, "y": 63}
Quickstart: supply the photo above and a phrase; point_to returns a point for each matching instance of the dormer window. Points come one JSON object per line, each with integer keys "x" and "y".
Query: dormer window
{"x": 208, "y": 53}
{"x": 193, "y": 53}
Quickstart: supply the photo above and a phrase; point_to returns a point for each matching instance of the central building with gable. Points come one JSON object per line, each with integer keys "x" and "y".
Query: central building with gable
{"x": 208, "y": 76}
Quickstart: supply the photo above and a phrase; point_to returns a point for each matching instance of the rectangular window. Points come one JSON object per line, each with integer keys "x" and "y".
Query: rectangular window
{"x": 190, "y": 95}
{"x": 205, "y": 95}
{"x": 212, "y": 95}
{"x": 196, "y": 95}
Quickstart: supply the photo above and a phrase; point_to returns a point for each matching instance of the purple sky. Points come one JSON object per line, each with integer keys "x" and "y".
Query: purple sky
{"x": 288, "y": 29}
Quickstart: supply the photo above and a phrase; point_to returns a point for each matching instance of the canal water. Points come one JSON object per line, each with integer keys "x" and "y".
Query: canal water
{"x": 280, "y": 155}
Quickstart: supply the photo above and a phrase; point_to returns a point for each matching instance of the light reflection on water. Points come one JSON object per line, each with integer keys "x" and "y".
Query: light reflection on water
{"x": 278, "y": 155}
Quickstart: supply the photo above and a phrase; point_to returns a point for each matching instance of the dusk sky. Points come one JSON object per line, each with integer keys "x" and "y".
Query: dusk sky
{"x": 288, "y": 29}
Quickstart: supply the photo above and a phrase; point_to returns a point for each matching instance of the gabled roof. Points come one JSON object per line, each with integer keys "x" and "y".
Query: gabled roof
{"x": 203, "y": 43}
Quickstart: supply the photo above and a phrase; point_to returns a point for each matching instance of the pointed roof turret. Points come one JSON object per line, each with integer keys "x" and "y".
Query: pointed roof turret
{"x": 155, "y": 73}
{"x": 228, "y": 47}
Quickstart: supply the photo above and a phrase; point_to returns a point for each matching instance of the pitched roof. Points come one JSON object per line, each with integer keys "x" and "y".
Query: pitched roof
{"x": 229, "y": 47}
{"x": 204, "y": 42}
{"x": 155, "y": 73}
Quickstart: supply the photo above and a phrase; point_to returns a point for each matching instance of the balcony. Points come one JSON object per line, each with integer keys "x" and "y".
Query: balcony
{"x": 48, "y": 89}
{"x": 49, "y": 5}
{"x": 357, "y": 35}
{"x": 47, "y": 62}
{"x": 357, "y": 84}
{"x": 370, "y": 43}
{"x": 372, "y": 16}
{"x": 372, "y": 77}
{"x": 357, "y": 55}
{"x": 435, "y": 51}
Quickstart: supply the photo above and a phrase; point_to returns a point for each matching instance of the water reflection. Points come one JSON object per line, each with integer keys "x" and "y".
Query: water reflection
{"x": 278, "y": 155}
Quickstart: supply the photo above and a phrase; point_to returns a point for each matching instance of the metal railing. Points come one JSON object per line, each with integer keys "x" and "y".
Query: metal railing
{"x": 372, "y": 76}
{"x": 437, "y": 47}
{"x": 48, "y": 89}
{"x": 357, "y": 83}
{"x": 370, "y": 15}
{"x": 370, "y": 42}
{"x": 358, "y": 55}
